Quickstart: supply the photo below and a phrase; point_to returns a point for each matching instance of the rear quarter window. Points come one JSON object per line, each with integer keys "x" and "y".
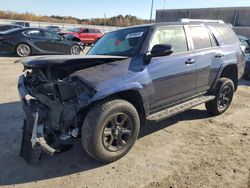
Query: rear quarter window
{"x": 226, "y": 34}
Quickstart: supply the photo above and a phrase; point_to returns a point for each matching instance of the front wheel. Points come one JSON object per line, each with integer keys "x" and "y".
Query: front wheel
{"x": 224, "y": 93}
{"x": 110, "y": 130}
{"x": 75, "y": 50}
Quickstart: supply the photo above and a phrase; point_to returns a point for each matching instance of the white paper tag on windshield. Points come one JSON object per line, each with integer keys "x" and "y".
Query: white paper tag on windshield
{"x": 134, "y": 35}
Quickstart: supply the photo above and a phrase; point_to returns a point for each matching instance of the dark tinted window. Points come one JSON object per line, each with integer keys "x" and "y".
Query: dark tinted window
{"x": 34, "y": 33}
{"x": 85, "y": 31}
{"x": 227, "y": 34}
{"x": 174, "y": 35}
{"x": 50, "y": 35}
{"x": 200, "y": 36}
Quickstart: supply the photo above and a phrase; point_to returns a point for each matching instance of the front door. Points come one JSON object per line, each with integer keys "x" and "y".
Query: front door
{"x": 173, "y": 76}
{"x": 55, "y": 44}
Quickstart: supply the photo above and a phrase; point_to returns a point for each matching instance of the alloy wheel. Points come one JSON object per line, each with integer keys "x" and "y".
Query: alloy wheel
{"x": 225, "y": 97}
{"x": 117, "y": 132}
{"x": 75, "y": 50}
{"x": 23, "y": 50}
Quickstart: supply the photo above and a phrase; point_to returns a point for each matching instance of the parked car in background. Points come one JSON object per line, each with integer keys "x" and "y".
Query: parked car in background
{"x": 148, "y": 72}
{"x": 53, "y": 28}
{"x": 24, "y": 24}
{"x": 8, "y": 27}
{"x": 245, "y": 43}
{"x": 36, "y": 41}
{"x": 86, "y": 35}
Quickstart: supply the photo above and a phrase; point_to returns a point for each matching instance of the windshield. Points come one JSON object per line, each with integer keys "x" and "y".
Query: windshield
{"x": 124, "y": 42}
{"x": 77, "y": 30}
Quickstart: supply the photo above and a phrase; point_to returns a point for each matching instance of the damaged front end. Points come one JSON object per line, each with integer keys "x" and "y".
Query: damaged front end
{"x": 53, "y": 103}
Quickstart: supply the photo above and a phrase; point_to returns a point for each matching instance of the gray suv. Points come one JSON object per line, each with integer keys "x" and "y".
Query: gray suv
{"x": 130, "y": 76}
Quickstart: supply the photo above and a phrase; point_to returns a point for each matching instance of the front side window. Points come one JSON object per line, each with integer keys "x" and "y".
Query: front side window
{"x": 174, "y": 35}
{"x": 201, "y": 37}
{"x": 51, "y": 35}
{"x": 123, "y": 42}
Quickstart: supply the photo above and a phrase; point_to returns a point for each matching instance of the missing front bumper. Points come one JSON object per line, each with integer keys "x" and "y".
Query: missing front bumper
{"x": 37, "y": 138}
{"x": 34, "y": 143}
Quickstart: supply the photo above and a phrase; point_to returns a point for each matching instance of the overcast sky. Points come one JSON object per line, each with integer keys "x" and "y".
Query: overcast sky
{"x": 97, "y": 8}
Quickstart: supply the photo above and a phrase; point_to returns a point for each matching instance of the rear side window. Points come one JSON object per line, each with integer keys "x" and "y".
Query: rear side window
{"x": 85, "y": 31}
{"x": 34, "y": 33}
{"x": 201, "y": 37}
{"x": 226, "y": 32}
{"x": 174, "y": 35}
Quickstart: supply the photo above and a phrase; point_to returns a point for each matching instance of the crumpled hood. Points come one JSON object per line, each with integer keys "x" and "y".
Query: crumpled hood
{"x": 62, "y": 60}
{"x": 107, "y": 75}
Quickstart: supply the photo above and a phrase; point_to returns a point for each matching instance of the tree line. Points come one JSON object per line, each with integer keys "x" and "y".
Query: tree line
{"x": 119, "y": 20}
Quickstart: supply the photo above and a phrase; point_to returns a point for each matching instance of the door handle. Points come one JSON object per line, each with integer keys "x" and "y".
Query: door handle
{"x": 219, "y": 55}
{"x": 190, "y": 61}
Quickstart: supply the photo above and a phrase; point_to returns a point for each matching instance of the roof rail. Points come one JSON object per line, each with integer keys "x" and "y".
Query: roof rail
{"x": 200, "y": 20}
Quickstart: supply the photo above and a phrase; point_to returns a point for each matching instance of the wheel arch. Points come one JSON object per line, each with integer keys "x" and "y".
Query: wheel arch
{"x": 15, "y": 47}
{"x": 133, "y": 95}
{"x": 229, "y": 71}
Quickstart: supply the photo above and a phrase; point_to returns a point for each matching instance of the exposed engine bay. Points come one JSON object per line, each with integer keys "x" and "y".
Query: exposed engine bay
{"x": 54, "y": 102}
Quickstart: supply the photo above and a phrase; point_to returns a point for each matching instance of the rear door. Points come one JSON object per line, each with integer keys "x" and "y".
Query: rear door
{"x": 37, "y": 38}
{"x": 173, "y": 76}
{"x": 208, "y": 55}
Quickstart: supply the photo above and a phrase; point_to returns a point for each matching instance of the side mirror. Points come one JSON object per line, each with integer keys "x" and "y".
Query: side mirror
{"x": 162, "y": 50}
{"x": 159, "y": 50}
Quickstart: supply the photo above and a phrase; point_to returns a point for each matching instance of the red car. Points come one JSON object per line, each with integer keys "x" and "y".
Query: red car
{"x": 86, "y": 35}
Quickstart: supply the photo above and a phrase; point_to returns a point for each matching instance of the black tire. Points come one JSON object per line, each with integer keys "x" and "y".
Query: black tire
{"x": 223, "y": 97}
{"x": 99, "y": 121}
{"x": 23, "y": 50}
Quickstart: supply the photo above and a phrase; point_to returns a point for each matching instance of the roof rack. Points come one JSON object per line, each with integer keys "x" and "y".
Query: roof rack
{"x": 200, "y": 20}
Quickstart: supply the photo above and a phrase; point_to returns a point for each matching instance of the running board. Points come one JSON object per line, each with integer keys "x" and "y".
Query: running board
{"x": 179, "y": 108}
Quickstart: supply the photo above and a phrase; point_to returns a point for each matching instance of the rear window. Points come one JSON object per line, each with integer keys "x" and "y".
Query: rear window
{"x": 201, "y": 37}
{"x": 226, "y": 33}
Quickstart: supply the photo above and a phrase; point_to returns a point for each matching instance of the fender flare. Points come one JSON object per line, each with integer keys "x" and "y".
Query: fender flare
{"x": 135, "y": 86}
{"x": 221, "y": 69}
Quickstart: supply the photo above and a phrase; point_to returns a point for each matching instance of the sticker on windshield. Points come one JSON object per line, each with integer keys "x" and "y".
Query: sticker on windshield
{"x": 134, "y": 35}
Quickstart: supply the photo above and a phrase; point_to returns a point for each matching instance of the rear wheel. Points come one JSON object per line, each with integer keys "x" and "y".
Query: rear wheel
{"x": 110, "y": 130}
{"x": 223, "y": 97}
{"x": 23, "y": 50}
{"x": 75, "y": 50}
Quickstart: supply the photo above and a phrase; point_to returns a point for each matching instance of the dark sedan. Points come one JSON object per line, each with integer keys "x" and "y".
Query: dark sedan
{"x": 36, "y": 41}
{"x": 7, "y": 27}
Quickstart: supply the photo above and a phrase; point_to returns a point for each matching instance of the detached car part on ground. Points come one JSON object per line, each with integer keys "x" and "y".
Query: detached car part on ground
{"x": 129, "y": 76}
{"x": 24, "y": 42}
